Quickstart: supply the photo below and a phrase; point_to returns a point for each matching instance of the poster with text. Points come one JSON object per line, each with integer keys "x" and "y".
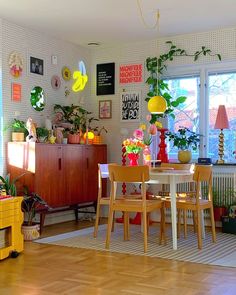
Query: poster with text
{"x": 106, "y": 79}
{"x": 130, "y": 106}
{"x": 131, "y": 73}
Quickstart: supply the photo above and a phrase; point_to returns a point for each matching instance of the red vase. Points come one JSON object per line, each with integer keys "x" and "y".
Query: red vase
{"x": 133, "y": 159}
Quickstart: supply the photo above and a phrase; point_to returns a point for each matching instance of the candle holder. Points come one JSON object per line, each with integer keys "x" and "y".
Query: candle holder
{"x": 162, "y": 154}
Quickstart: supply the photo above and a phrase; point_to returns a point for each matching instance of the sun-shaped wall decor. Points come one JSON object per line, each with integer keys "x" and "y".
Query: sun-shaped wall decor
{"x": 66, "y": 73}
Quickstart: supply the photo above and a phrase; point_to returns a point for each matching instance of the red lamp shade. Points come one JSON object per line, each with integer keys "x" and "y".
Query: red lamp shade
{"x": 221, "y": 118}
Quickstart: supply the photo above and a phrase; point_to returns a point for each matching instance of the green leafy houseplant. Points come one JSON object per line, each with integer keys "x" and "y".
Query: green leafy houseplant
{"x": 157, "y": 86}
{"x": 29, "y": 206}
{"x": 77, "y": 116}
{"x": 184, "y": 139}
{"x": 8, "y": 185}
{"x": 42, "y": 132}
{"x": 18, "y": 126}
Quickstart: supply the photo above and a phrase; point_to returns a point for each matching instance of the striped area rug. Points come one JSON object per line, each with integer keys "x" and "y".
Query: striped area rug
{"x": 223, "y": 252}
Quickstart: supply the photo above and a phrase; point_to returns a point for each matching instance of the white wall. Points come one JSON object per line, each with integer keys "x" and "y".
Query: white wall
{"x": 31, "y": 43}
{"x": 220, "y": 41}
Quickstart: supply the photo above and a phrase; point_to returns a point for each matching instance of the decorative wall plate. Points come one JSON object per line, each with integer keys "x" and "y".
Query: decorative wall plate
{"x": 15, "y": 62}
{"x": 56, "y": 82}
{"x": 66, "y": 73}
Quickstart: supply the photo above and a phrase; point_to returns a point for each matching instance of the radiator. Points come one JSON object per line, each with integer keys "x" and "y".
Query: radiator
{"x": 224, "y": 188}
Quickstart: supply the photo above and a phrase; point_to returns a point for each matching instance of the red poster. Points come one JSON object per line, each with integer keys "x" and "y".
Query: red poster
{"x": 16, "y": 92}
{"x": 132, "y": 73}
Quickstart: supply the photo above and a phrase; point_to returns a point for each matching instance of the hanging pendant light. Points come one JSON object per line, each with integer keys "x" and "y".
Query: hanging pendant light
{"x": 156, "y": 104}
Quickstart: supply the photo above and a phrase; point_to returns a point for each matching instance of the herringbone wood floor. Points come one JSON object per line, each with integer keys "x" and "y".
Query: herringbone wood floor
{"x": 46, "y": 269}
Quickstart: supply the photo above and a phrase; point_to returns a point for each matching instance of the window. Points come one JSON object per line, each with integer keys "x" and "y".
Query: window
{"x": 187, "y": 114}
{"x": 222, "y": 91}
{"x": 206, "y": 87}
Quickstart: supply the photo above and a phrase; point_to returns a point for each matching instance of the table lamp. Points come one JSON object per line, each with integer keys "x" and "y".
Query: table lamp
{"x": 221, "y": 123}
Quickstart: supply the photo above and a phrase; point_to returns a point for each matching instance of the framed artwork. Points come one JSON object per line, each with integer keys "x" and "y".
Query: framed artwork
{"x": 36, "y": 66}
{"x": 130, "y": 106}
{"x": 104, "y": 109}
{"x": 105, "y": 79}
{"x": 16, "y": 92}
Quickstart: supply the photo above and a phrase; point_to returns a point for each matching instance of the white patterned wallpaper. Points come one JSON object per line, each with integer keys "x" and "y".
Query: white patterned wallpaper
{"x": 28, "y": 42}
{"x": 31, "y": 43}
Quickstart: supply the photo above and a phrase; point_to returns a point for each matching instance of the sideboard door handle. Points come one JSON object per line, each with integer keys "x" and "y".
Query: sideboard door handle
{"x": 87, "y": 161}
{"x": 59, "y": 163}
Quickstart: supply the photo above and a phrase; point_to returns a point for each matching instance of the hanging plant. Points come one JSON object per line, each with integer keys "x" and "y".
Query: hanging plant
{"x": 157, "y": 86}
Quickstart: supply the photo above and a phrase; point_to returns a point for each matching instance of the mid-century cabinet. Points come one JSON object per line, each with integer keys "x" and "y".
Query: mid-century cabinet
{"x": 62, "y": 174}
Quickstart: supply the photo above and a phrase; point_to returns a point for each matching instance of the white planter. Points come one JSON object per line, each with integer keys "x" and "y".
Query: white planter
{"x": 30, "y": 232}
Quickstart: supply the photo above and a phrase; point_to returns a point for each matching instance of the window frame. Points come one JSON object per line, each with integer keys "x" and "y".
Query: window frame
{"x": 203, "y": 71}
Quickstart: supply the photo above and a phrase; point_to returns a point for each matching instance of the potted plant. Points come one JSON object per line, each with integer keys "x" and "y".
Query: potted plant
{"x": 19, "y": 130}
{"x": 157, "y": 66}
{"x": 74, "y": 119}
{"x": 186, "y": 141}
{"x": 30, "y": 203}
{"x": 42, "y": 134}
{"x": 8, "y": 186}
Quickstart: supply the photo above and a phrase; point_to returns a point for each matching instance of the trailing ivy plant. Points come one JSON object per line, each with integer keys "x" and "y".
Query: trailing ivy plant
{"x": 157, "y": 86}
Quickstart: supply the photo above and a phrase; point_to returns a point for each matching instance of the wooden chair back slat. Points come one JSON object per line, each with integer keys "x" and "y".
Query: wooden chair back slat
{"x": 128, "y": 173}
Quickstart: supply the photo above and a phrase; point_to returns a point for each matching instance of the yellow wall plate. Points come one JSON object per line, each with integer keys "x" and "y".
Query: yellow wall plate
{"x": 66, "y": 73}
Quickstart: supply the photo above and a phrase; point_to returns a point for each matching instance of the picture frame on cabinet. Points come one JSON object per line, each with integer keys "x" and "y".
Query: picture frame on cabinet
{"x": 130, "y": 106}
{"x": 105, "y": 109}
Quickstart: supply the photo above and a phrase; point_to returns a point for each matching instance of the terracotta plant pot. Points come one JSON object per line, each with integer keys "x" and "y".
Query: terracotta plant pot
{"x": 74, "y": 138}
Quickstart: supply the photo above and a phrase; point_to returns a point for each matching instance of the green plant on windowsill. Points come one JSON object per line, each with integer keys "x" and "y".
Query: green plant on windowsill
{"x": 184, "y": 139}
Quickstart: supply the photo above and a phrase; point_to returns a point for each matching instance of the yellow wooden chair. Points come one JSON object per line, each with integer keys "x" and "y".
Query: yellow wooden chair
{"x": 195, "y": 203}
{"x": 101, "y": 201}
{"x": 180, "y": 194}
{"x": 132, "y": 174}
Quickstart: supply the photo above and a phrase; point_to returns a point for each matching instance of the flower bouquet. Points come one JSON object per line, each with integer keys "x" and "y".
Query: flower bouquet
{"x": 134, "y": 146}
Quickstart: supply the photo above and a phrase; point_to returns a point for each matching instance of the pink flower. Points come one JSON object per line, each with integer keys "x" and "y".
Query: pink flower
{"x": 138, "y": 134}
{"x": 152, "y": 129}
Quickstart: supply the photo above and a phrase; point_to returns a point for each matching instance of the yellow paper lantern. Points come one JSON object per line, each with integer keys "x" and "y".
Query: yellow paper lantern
{"x": 157, "y": 105}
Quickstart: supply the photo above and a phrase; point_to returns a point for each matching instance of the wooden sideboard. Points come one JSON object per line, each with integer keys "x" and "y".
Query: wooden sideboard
{"x": 62, "y": 174}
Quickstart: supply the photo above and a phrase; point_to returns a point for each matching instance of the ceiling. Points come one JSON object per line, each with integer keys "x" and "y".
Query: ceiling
{"x": 118, "y": 21}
